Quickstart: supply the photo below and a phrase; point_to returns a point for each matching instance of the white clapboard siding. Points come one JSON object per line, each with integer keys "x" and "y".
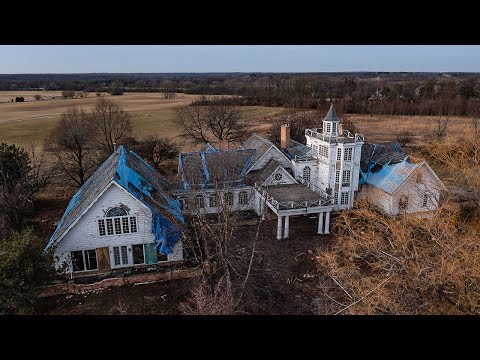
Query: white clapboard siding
{"x": 84, "y": 235}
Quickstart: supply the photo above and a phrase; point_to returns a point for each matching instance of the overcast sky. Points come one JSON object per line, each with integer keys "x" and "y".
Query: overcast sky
{"x": 237, "y": 58}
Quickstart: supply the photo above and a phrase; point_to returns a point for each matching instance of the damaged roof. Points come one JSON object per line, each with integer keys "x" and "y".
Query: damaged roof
{"x": 390, "y": 177}
{"x": 206, "y": 168}
{"x": 132, "y": 173}
{"x": 258, "y": 143}
{"x": 297, "y": 149}
{"x": 380, "y": 154}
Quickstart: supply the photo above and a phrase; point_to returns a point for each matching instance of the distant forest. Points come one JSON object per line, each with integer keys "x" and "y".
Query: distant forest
{"x": 362, "y": 93}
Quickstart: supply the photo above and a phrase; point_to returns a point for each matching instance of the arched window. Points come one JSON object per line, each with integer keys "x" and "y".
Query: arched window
{"x": 243, "y": 198}
{"x": 306, "y": 173}
{"x": 228, "y": 197}
{"x": 200, "y": 201}
{"x": 116, "y": 211}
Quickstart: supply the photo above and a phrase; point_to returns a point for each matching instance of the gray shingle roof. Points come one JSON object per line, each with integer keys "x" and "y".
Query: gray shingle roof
{"x": 259, "y": 176}
{"x": 297, "y": 149}
{"x": 206, "y": 168}
{"x": 331, "y": 115}
{"x": 258, "y": 143}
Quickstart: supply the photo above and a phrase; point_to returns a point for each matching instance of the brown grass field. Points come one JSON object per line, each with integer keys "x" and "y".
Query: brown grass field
{"x": 29, "y": 122}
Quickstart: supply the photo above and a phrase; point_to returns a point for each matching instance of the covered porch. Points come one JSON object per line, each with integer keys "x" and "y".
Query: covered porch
{"x": 295, "y": 200}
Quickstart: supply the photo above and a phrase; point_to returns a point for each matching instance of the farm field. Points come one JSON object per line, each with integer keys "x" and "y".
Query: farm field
{"x": 29, "y": 122}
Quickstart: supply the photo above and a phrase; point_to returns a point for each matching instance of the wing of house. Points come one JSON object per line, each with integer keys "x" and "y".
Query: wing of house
{"x": 394, "y": 184}
{"x": 264, "y": 152}
{"x": 123, "y": 215}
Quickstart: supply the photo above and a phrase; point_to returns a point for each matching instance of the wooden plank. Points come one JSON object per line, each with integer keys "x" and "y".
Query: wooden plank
{"x": 103, "y": 258}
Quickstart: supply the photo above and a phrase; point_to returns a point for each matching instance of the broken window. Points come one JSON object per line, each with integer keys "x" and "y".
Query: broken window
{"x": 116, "y": 211}
{"x": 84, "y": 260}
{"x": 133, "y": 224}
{"x": 348, "y": 154}
{"x": 118, "y": 226}
{"x": 306, "y": 173}
{"x": 243, "y": 198}
{"x": 126, "y": 230}
{"x": 101, "y": 227}
{"x": 138, "y": 257}
{"x": 109, "y": 226}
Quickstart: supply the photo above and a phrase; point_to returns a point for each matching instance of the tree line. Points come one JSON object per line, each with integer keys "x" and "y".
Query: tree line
{"x": 363, "y": 93}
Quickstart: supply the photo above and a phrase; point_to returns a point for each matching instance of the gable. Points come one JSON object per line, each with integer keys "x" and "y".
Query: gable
{"x": 273, "y": 153}
{"x": 279, "y": 176}
{"x": 83, "y": 233}
{"x": 429, "y": 181}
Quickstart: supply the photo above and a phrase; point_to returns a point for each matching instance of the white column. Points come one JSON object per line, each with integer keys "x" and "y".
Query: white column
{"x": 287, "y": 225}
{"x": 279, "y": 228}
{"x": 327, "y": 223}
{"x": 320, "y": 223}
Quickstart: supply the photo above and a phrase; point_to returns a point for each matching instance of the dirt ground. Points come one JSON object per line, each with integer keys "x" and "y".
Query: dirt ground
{"x": 283, "y": 279}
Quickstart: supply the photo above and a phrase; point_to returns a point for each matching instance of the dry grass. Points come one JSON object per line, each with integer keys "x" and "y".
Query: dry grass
{"x": 380, "y": 128}
{"x": 29, "y": 122}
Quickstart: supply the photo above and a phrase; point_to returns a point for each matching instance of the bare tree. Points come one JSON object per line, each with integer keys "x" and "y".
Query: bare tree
{"x": 298, "y": 120}
{"x": 211, "y": 123}
{"x": 71, "y": 142}
{"x": 156, "y": 151}
{"x": 169, "y": 90}
{"x": 443, "y": 123}
{"x": 111, "y": 125}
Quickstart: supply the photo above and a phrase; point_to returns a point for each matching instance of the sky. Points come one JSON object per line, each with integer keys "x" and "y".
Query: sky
{"x": 15, "y": 59}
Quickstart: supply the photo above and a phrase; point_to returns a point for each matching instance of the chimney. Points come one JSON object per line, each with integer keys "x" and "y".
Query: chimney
{"x": 341, "y": 127}
{"x": 223, "y": 145}
{"x": 114, "y": 147}
{"x": 285, "y": 136}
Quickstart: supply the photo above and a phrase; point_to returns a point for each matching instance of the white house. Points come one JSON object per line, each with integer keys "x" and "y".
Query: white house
{"x": 122, "y": 216}
{"x": 394, "y": 184}
{"x": 324, "y": 175}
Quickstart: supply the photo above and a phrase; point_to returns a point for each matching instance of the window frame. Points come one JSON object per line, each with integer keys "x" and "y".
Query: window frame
{"x": 348, "y": 154}
{"x": 339, "y": 154}
{"x": 346, "y": 177}
{"x": 306, "y": 170}
{"x": 86, "y": 260}
{"x": 344, "y": 198}
{"x": 243, "y": 198}
{"x": 337, "y": 176}
{"x": 213, "y": 200}
{"x": 200, "y": 201}
{"x": 230, "y": 200}
{"x": 103, "y": 223}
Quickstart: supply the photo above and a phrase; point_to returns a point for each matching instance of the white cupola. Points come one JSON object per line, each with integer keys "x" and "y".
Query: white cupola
{"x": 330, "y": 123}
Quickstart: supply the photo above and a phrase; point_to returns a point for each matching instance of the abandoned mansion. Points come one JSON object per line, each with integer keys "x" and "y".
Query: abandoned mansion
{"x": 127, "y": 214}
